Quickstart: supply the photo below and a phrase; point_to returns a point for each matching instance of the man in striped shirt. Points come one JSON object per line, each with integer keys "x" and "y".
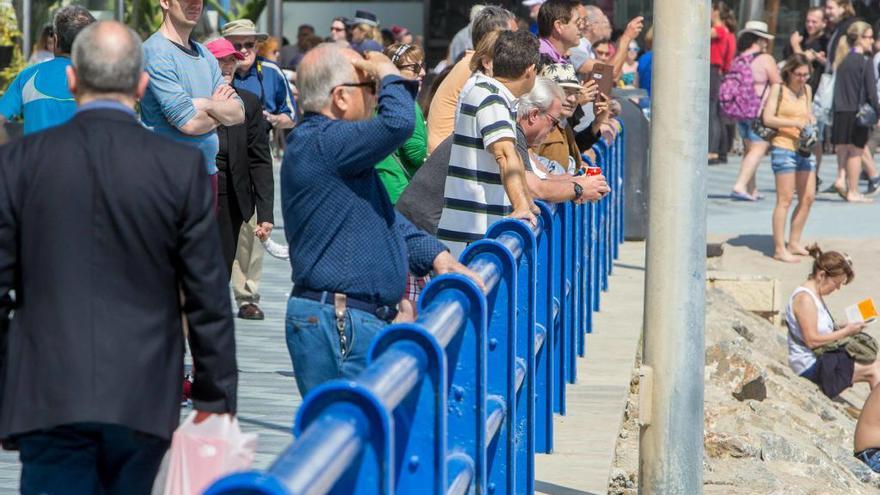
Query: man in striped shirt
{"x": 486, "y": 178}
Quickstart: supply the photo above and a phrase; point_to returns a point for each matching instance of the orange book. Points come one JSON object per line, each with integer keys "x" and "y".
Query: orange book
{"x": 863, "y": 311}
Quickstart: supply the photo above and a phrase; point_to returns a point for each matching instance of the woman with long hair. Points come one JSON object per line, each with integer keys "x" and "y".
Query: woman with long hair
{"x": 789, "y": 110}
{"x": 854, "y": 86}
{"x": 753, "y": 42}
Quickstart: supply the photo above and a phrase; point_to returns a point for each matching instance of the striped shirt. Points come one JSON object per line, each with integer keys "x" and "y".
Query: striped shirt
{"x": 474, "y": 196}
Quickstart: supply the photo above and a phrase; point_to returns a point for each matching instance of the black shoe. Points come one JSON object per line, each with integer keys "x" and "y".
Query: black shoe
{"x": 722, "y": 158}
{"x": 250, "y": 311}
{"x": 873, "y": 186}
{"x": 716, "y": 161}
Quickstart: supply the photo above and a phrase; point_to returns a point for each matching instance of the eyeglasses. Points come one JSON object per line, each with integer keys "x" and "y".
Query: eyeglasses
{"x": 249, "y": 45}
{"x": 368, "y": 85}
{"x": 553, "y": 120}
{"x": 414, "y": 68}
{"x": 801, "y": 75}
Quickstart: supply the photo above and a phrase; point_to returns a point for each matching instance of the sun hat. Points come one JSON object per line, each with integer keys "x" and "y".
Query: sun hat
{"x": 364, "y": 17}
{"x": 221, "y": 47}
{"x": 243, "y": 27}
{"x": 758, "y": 28}
{"x": 563, "y": 74}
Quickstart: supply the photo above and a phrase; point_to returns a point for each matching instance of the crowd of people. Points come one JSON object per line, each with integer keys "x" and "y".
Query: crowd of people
{"x": 824, "y": 93}
{"x": 143, "y": 188}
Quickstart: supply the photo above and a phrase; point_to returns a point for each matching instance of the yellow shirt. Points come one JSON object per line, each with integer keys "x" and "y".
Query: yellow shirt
{"x": 441, "y": 114}
{"x": 792, "y": 107}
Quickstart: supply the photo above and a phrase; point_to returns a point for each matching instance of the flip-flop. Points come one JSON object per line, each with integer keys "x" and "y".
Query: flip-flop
{"x": 741, "y": 196}
{"x": 840, "y": 192}
{"x": 860, "y": 199}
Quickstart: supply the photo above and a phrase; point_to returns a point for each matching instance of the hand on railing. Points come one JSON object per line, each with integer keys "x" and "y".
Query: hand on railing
{"x": 528, "y": 216}
{"x": 446, "y": 263}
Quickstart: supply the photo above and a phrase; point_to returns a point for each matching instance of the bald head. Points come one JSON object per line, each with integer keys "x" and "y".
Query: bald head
{"x": 108, "y": 59}
{"x": 323, "y": 68}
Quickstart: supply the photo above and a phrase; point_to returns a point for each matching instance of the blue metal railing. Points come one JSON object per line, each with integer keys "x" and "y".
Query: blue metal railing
{"x": 461, "y": 400}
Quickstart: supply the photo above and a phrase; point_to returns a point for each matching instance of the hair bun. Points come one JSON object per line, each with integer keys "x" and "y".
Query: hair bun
{"x": 815, "y": 251}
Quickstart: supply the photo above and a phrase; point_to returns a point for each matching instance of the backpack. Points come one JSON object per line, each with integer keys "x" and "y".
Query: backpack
{"x": 736, "y": 96}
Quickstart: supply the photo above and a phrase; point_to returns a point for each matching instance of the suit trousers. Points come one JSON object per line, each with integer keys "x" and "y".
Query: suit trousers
{"x": 230, "y": 221}
{"x": 247, "y": 269}
{"x": 89, "y": 459}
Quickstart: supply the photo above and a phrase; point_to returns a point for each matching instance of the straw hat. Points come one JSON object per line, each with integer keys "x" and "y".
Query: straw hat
{"x": 563, "y": 74}
{"x": 758, "y": 28}
{"x": 243, "y": 27}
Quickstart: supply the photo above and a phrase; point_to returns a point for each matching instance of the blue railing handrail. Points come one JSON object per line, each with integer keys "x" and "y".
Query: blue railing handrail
{"x": 444, "y": 403}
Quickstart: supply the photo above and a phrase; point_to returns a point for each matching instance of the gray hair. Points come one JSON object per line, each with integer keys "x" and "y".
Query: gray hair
{"x": 491, "y": 18}
{"x": 541, "y": 97}
{"x": 68, "y": 22}
{"x": 108, "y": 59}
{"x": 324, "y": 68}
{"x": 475, "y": 11}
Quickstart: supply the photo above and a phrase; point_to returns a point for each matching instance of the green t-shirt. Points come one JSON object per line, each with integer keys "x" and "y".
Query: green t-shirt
{"x": 397, "y": 169}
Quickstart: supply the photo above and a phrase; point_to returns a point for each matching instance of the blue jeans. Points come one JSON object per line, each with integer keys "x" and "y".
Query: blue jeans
{"x": 871, "y": 457}
{"x": 746, "y": 132}
{"x": 786, "y": 161}
{"x": 314, "y": 344}
{"x": 89, "y": 458}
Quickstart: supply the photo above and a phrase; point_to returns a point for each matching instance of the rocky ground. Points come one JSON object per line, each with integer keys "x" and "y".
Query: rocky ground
{"x": 767, "y": 431}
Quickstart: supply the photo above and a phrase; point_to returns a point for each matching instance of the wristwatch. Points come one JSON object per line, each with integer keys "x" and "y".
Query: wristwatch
{"x": 578, "y": 191}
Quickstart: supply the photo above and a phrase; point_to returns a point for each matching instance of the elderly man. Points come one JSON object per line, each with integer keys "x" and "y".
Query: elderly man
{"x": 186, "y": 99}
{"x": 485, "y": 180}
{"x": 349, "y": 249}
{"x": 264, "y": 79}
{"x": 441, "y": 117}
{"x": 39, "y": 93}
{"x": 102, "y": 225}
{"x": 539, "y": 112}
{"x": 597, "y": 28}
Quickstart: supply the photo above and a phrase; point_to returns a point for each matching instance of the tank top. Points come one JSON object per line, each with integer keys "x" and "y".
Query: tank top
{"x": 801, "y": 357}
{"x": 794, "y": 108}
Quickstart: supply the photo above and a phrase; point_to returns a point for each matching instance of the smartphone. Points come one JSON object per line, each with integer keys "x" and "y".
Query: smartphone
{"x": 603, "y": 74}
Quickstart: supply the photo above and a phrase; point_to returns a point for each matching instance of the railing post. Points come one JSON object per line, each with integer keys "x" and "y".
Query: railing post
{"x": 558, "y": 329}
{"x": 544, "y": 367}
{"x": 570, "y": 280}
{"x": 466, "y": 370}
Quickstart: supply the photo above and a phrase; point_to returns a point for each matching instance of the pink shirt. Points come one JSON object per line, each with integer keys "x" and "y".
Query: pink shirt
{"x": 547, "y": 48}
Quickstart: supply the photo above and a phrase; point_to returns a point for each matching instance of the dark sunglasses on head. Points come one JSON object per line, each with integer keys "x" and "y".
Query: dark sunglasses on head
{"x": 414, "y": 68}
{"x": 368, "y": 85}
{"x": 248, "y": 45}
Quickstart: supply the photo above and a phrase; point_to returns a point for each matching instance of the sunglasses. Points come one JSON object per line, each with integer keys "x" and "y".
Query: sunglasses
{"x": 247, "y": 45}
{"x": 414, "y": 68}
{"x": 368, "y": 85}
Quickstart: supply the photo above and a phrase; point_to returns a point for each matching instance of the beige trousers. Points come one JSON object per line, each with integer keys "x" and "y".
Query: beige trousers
{"x": 247, "y": 269}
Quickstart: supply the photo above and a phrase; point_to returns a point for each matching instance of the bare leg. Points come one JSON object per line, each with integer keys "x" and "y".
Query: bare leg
{"x": 805, "y": 186}
{"x": 868, "y": 163}
{"x": 752, "y": 158}
{"x": 869, "y": 373}
{"x": 784, "y": 193}
{"x": 843, "y": 152}
{"x": 853, "y": 170}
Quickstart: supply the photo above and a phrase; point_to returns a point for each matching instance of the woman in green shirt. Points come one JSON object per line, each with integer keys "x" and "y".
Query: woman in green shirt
{"x": 396, "y": 170}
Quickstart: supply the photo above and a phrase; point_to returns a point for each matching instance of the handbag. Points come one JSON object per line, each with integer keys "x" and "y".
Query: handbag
{"x": 861, "y": 347}
{"x": 867, "y": 115}
{"x": 809, "y": 135}
{"x": 758, "y": 126}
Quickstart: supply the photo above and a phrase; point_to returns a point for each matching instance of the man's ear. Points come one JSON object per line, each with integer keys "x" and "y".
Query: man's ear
{"x": 340, "y": 99}
{"x": 71, "y": 79}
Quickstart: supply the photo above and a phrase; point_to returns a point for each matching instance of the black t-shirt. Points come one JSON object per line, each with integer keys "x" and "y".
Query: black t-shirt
{"x": 819, "y": 44}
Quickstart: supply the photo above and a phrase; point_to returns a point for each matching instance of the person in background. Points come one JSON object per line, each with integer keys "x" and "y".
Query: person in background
{"x": 534, "y": 7}
{"x": 646, "y": 62}
{"x": 629, "y": 77}
{"x": 463, "y": 40}
{"x": 338, "y": 29}
{"x": 602, "y": 49}
{"x": 839, "y": 16}
{"x": 103, "y": 225}
{"x": 441, "y": 115}
{"x": 244, "y": 162}
{"x": 349, "y": 249}
{"x": 854, "y": 84}
{"x": 270, "y": 50}
{"x": 39, "y": 93}
{"x": 397, "y": 168}
{"x": 291, "y": 56}
{"x": 559, "y": 29}
{"x": 616, "y": 56}
{"x": 401, "y": 35}
{"x": 365, "y": 33}
{"x": 720, "y": 57}
{"x": 810, "y": 325}
{"x": 485, "y": 180}
{"x": 44, "y": 49}
{"x": 753, "y": 43}
{"x": 789, "y": 110}
{"x": 594, "y": 28}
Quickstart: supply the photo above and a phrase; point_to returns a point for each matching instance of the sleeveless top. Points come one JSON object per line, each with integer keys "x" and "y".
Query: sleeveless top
{"x": 792, "y": 107}
{"x": 801, "y": 357}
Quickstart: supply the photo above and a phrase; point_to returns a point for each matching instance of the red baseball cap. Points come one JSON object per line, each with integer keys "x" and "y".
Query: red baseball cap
{"x": 221, "y": 47}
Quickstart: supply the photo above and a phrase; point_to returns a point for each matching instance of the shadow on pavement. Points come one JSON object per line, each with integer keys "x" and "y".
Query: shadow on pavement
{"x": 551, "y": 489}
{"x": 760, "y": 243}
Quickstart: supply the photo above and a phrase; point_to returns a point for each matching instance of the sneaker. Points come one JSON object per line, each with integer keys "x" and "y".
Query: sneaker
{"x": 873, "y": 186}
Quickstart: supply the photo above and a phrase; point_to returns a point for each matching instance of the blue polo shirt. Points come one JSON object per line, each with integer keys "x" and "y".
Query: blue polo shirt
{"x": 266, "y": 80}
{"x": 39, "y": 94}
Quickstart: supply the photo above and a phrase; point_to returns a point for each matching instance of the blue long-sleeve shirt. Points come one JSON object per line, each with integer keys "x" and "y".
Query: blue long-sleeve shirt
{"x": 266, "y": 80}
{"x": 343, "y": 232}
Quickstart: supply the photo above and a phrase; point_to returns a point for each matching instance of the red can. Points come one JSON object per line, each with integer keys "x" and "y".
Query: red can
{"x": 594, "y": 171}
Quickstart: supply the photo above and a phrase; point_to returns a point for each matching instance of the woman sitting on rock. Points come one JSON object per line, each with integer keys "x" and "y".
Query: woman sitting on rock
{"x": 811, "y": 326}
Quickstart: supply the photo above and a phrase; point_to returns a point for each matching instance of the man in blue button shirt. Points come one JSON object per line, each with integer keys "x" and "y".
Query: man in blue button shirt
{"x": 350, "y": 251}
{"x": 39, "y": 94}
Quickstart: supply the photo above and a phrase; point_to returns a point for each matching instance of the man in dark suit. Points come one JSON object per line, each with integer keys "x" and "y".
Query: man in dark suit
{"x": 244, "y": 162}
{"x": 102, "y": 225}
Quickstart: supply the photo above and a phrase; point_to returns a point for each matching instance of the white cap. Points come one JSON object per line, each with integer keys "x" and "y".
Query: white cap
{"x": 532, "y": 3}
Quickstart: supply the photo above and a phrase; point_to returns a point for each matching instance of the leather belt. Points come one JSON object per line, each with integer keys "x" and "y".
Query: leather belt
{"x": 384, "y": 313}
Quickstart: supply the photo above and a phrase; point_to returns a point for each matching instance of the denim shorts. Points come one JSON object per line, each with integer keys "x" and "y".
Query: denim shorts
{"x": 871, "y": 457}
{"x": 786, "y": 161}
{"x": 746, "y": 132}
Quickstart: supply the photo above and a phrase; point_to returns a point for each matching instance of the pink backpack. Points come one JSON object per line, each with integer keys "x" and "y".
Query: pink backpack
{"x": 736, "y": 96}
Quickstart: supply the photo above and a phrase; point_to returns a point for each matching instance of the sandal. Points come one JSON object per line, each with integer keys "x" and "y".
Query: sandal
{"x": 741, "y": 196}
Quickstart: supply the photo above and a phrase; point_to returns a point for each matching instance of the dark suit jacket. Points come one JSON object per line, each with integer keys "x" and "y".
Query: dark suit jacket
{"x": 249, "y": 161}
{"x": 102, "y": 224}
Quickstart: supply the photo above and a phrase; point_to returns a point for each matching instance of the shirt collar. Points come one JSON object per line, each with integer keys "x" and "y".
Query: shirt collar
{"x": 106, "y": 105}
{"x": 547, "y": 48}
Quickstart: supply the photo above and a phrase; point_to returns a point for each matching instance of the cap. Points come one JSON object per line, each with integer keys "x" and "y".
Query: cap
{"x": 243, "y": 27}
{"x": 563, "y": 74}
{"x": 758, "y": 28}
{"x": 221, "y": 47}
{"x": 364, "y": 17}
{"x": 399, "y": 32}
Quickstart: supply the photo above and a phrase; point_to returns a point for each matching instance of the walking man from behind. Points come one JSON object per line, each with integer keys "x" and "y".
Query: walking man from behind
{"x": 97, "y": 245}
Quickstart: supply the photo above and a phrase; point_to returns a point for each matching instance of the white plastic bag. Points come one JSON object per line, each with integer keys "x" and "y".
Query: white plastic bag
{"x": 202, "y": 453}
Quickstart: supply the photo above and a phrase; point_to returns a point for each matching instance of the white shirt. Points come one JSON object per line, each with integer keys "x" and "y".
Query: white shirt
{"x": 801, "y": 357}
{"x": 580, "y": 54}
{"x": 474, "y": 195}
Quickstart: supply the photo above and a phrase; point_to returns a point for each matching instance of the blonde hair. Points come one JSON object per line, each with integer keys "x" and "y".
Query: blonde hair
{"x": 484, "y": 52}
{"x": 269, "y": 47}
{"x": 853, "y": 34}
{"x": 412, "y": 54}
